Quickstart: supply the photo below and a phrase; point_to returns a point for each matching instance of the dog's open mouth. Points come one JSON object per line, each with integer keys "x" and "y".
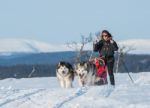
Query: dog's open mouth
{"x": 83, "y": 83}
{"x": 81, "y": 76}
{"x": 64, "y": 73}
{"x": 83, "y": 80}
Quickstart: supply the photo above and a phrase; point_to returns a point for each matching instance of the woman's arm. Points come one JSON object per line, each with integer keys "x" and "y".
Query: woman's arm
{"x": 115, "y": 46}
{"x": 97, "y": 46}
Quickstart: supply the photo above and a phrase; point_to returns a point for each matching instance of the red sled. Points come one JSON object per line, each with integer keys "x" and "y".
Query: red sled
{"x": 101, "y": 77}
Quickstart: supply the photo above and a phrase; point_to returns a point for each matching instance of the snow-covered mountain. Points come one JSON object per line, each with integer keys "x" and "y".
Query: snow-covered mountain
{"x": 140, "y": 46}
{"x": 8, "y": 46}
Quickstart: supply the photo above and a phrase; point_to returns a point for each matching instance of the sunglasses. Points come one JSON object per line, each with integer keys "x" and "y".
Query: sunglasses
{"x": 105, "y": 35}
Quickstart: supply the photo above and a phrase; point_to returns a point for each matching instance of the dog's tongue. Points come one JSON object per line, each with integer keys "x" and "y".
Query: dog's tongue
{"x": 82, "y": 82}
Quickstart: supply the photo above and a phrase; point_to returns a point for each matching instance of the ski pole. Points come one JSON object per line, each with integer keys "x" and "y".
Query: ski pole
{"x": 127, "y": 71}
{"x": 118, "y": 61}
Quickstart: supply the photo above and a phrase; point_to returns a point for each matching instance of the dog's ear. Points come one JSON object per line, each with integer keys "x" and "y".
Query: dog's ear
{"x": 78, "y": 65}
{"x": 58, "y": 65}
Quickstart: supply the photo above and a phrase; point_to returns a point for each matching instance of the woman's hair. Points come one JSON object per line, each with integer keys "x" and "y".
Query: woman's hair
{"x": 107, "y": 32}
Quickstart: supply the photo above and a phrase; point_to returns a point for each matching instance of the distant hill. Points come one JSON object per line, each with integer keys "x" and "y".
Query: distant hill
{"x": 12, "y": 45}
{"x": 15, "y": 45}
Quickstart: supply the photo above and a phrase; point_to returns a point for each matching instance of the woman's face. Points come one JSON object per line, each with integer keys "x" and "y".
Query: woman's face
{"x": 105, "y": 36}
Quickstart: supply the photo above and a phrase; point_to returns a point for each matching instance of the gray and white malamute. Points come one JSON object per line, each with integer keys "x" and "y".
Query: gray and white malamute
{"x": 65, "y": 74}
{"x": 86, "y": 73}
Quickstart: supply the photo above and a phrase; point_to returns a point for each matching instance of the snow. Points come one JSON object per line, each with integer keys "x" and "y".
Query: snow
{"x": 46, "y": 93}
{"x": 11, "y": 45}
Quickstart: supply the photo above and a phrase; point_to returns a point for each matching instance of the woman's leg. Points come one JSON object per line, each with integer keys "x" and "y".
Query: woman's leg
{"x": 110, "y": 66}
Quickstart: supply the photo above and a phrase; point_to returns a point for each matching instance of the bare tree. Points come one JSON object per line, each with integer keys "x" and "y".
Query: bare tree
{"x": 121, "y": 59}
{"x": 33, "y": 70}
{"x": 78, "y": 47}
{"x": 123, "y": 50}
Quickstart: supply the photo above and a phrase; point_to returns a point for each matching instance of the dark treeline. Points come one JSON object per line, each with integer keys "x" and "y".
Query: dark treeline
{"x": 44, "y": 65}
{"x": 26, "y": 71}
{"x": 135, "y": 63}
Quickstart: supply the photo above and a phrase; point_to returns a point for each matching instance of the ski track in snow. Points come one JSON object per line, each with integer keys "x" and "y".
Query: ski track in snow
{"x": 78, "y": 93}
{"x": 20, "y": 97}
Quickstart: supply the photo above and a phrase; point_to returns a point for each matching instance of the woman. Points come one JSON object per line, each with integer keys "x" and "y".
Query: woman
{"x": 106, "y": 48}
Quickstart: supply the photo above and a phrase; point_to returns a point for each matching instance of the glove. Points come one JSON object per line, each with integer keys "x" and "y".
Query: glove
{"x": 111, "y": 41}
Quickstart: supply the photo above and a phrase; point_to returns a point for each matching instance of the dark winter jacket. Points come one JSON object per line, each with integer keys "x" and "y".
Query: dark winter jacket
{"x": 105, "y": 48}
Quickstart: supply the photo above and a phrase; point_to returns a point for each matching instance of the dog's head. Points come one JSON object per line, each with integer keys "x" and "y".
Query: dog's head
{"x": 81, "y": 69}
{"x": 63, "y": 68}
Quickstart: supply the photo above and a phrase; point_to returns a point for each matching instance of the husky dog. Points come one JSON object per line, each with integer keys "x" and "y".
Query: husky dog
{"x": 86, "y": 72}
{"x": 65, "y": 74}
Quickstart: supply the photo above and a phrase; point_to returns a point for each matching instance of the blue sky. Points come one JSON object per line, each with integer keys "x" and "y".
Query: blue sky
{"x": 60, "y": 21}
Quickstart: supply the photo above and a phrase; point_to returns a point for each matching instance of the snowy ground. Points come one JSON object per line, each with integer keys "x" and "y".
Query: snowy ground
{"x": 46, "y": 93}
